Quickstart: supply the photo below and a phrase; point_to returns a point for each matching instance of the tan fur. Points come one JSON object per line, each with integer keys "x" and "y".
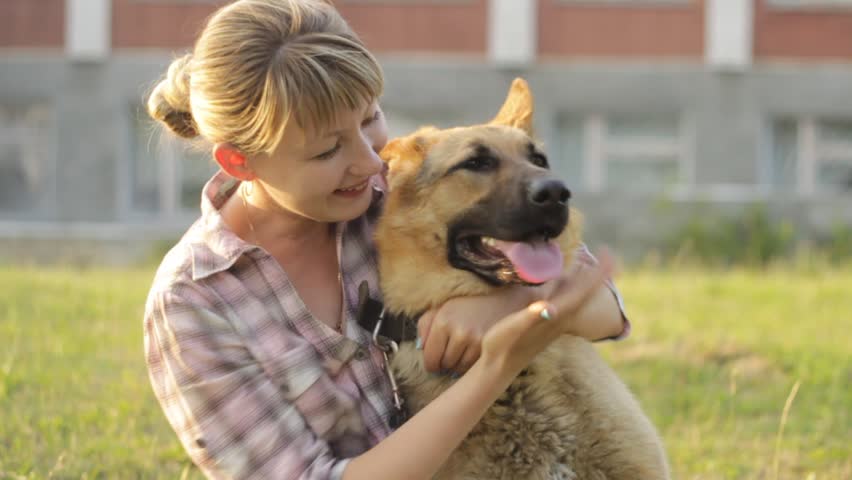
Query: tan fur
{"x": 568, "y": 416}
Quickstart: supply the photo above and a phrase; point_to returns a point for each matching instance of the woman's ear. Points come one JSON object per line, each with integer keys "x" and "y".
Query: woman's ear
{"x": 233, "y": 162}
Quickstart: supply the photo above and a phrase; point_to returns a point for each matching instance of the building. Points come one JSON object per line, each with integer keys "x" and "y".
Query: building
{"x": 653, "y": 110}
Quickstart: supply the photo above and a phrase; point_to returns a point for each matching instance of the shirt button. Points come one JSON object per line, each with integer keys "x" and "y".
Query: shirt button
{"x": 361, "y": 354}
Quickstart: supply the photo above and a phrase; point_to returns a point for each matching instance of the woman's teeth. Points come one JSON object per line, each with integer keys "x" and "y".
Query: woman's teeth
{"x": 355, "y": 188}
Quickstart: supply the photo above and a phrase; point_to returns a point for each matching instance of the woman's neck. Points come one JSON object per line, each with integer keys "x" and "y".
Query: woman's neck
{"x": 259, "y": 220}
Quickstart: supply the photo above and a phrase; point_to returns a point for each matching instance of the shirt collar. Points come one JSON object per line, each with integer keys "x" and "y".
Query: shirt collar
{"x": 214, "y": 246}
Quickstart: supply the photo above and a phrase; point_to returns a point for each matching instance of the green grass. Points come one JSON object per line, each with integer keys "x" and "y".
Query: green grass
{"x": 75, "y": 400}
{"x": 713, "y": 358}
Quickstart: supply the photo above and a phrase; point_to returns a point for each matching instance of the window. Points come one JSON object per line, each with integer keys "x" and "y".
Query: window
{"x": 783, "y": 163}
{"x": 166, "y": 173}
{"x": 635, "y": 152}
{"x": 27, "y": 161}
{"x": 834, "y": 162}
{"x": 811, "y": 156}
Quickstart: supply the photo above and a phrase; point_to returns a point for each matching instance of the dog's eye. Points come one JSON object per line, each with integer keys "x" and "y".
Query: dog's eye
{"x": 539, "y": 160}
{"x": 479, "y": 163}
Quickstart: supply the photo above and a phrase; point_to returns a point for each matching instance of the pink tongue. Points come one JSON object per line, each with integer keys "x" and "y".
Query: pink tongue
{"x": 535, "y": 262}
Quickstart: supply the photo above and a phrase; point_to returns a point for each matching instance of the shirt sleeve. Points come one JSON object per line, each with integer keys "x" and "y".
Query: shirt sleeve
{"x": 584, "y": 257}
{"x": 233, "y": 421}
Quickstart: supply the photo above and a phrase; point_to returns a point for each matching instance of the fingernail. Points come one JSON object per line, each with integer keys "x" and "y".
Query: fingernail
{"x": 544, "y": 313}
{"x": 418, "y": 344}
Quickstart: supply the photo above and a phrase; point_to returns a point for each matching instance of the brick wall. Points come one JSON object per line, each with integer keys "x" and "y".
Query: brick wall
{"x": 451, "y": 27}
{"x": 32, "y": 23}
{"x": 566, "y": 29}
{"x": 160, "y": 24}
{"x": 620, "y": 30}
{"x": 802, "y": 33}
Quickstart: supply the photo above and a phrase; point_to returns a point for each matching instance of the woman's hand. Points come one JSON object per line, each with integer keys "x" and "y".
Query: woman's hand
{"x": 601, "y": 317}
{"x": 451, "y": 335}
{"x": 513, "y": 342}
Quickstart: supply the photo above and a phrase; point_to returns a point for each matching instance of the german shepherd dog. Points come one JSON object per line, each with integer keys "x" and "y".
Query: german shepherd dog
{"x": 471, "y": 210}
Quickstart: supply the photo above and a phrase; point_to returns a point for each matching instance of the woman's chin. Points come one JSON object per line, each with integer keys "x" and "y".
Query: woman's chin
{"x": 347, "y": 209}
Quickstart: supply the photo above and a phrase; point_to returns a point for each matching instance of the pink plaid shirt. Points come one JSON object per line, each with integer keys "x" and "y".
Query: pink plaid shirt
{"x": 253, "y": 385}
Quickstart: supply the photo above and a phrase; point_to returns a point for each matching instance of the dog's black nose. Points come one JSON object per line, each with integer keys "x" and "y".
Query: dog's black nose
{"x": 546, "y": 192}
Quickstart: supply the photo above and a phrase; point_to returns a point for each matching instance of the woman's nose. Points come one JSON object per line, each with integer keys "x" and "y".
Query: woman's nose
{"x": 368, "y": 162}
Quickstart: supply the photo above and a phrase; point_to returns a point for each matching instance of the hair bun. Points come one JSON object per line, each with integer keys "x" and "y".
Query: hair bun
{"x": 169, "y": 102}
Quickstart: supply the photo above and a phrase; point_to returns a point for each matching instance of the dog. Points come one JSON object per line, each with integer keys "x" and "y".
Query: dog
{"x": 471, "y": 210}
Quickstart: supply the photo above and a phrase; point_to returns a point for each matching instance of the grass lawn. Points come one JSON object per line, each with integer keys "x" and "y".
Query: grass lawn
{"x": 713, "y": 358}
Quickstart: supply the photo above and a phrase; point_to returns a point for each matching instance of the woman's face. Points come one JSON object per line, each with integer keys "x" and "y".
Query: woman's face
{"x": 326, "y": 176}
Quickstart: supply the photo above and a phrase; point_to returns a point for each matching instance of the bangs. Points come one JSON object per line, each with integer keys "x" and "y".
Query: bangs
{"x": 259, "y": 64}
{"x": 322, "y": 76}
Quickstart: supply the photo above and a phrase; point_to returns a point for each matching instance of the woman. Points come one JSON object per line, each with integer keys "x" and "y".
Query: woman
{"x": 251, "y": 344}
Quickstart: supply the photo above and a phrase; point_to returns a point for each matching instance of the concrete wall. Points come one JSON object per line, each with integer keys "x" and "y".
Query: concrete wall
{"x": 585, "y": 62}
{"x": 730, "y": 114}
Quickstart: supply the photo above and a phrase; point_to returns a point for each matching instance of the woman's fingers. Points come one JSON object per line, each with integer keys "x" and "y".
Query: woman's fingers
{"x": 519, "y": 335}
{"x": 471, "y": 355}
{"x": 457, "y": 344}
{"x": 577, "y": 287}
{"x": 424, "y": 325}
{"x": 434, "y": 345}
{"x": 532, "y": 327}
{"x": 607, "y": 259}
{"x": 522, "y": 335}
{"x": 448, "y": 343}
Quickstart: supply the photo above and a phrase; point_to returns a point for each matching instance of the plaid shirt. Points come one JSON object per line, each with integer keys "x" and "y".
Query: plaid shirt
{"x": 252, "y": 384}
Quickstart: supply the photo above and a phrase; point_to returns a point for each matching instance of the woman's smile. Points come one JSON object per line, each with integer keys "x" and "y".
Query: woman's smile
{"x": 353, "y": 191}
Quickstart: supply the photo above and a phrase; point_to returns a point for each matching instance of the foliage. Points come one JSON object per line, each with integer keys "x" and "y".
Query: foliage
{"x": 752, "y": 238}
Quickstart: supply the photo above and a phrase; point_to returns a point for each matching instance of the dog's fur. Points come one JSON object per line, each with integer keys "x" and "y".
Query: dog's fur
{"x": 567, "y": 416}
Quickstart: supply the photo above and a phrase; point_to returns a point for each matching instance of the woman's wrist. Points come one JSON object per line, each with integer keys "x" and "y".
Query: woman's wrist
{"x": 491, "y": 375}
{"x": 523, "y": 296}
{"x": 598, "y": 319}
{"x": 497, "y": 372}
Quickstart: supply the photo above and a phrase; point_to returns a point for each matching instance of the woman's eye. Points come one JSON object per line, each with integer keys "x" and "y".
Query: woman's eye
{"x": 328, "y": 154}
{"x": 372, "y": 119}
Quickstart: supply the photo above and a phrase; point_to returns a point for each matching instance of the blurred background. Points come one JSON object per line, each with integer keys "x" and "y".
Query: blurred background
{"x": 708, "y": 142}
{"x": 664, "y": 115}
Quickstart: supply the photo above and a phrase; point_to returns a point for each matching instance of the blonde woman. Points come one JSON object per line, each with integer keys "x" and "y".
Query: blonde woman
{"x": 250, "y": 338}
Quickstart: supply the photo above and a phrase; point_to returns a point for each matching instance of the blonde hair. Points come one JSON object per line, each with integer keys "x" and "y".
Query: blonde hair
{"x": 259, "y": 63}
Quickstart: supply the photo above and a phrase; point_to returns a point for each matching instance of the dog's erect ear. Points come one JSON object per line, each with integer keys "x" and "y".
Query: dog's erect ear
{"x": 517, "y": 110}
{"x": 395, "y": 152}
{"x": 401, "y": 153}
{"x": 405, "y": 154}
